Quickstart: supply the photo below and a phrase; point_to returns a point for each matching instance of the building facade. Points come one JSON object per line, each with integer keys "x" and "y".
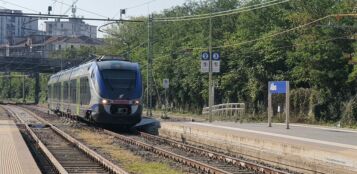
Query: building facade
{"x": 44, "y": 46}
{"x": 73, "y": 27}
{"x": 16, "y": 25}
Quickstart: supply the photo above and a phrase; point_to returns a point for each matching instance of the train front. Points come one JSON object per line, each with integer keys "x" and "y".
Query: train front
{"x": 120, "y": 91}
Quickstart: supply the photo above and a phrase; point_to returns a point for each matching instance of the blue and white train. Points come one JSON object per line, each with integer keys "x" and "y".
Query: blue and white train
{"x": 105, "y": 91}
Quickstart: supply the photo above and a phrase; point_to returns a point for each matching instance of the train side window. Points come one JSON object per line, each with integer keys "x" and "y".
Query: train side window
{"x": 57, "y": 91}
{"x": 73, "y": 91}
{"x": 65, "y": 92}
{"x": 85, "y": 91}
{"x": 48, "y": 92}
{"x": 93, "y": 75}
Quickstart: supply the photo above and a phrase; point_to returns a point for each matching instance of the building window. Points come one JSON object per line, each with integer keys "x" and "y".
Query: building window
{"x": 59, "y": 47}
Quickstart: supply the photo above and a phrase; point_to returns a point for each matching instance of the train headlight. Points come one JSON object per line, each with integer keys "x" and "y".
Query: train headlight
{"x": 136, "y": 102}
{"x": 105, "y": 101}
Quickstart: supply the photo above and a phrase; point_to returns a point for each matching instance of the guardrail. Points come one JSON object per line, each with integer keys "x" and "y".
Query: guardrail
{"x": 226, "y": 111}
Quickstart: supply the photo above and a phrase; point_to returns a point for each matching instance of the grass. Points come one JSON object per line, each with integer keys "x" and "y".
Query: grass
{"x": 129, "y": 161}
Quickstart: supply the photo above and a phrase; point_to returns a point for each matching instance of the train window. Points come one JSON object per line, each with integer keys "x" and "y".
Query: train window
{"x": 93, "y": 75}
{"x": 65, "y": 91}
{"x": 73, "y": 91}
{"x": 85, "y": 91}
{"x": 54, "y": 92}
{"x": 59, "y": 86}
{"x": 49, "y": 92}
{"x": 119, "y": 79}
{"x": 57, "y": 91}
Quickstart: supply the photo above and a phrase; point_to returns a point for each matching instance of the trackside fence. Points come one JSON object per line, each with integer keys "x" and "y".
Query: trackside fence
{"x": 226, "y": 111}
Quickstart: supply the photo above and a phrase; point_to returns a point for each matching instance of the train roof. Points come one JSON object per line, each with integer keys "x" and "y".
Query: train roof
{"x": 103, "y": 63}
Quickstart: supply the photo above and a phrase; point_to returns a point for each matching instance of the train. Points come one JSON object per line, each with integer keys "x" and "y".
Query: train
{"x": 106, "y": 90}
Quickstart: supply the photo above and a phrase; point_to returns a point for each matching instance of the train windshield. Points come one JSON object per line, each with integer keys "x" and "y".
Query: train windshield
{"x": 120, "y": 82}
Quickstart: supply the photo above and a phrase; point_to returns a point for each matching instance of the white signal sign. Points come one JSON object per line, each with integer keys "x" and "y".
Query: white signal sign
{"x": 216, "y": 66}
{"x": 166, "y": 83}
{"x": 204, "y": 66}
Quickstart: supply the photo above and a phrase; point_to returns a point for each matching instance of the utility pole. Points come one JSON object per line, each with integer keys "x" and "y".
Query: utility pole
{"x": 149, "y": 69}
{"x": 210, "y": 97}
{"x": 23, "y": 88}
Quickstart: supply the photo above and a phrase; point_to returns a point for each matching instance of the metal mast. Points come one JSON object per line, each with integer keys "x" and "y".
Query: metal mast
{"x": 149, "y": 68}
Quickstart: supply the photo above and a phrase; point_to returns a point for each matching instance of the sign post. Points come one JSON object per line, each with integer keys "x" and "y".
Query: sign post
{"x": 279, "y": 87}
{"x": 210, "y": 63}
{"x": 166, "y": 84}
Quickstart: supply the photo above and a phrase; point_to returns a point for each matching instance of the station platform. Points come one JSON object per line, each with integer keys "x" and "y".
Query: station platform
{"x": 15, "y": 157}
{"x": 301, "y": 148}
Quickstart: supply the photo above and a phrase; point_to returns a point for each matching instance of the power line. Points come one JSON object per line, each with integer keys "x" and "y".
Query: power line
{"x": 276, "y": 34}
{"x": 20, "y": 6}
{"x": 345, "y": 37}
{"x": 271, "y": 35}
{"x": 208, "y": 14}
{"x": 135, "y": 6}
{"x": 42, "y": 16}
{"x": 87, "y": 11}
{"x": 222, "y": 13}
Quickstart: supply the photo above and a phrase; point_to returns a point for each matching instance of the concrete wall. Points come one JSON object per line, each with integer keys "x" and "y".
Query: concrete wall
{"x": 305, "y": 157}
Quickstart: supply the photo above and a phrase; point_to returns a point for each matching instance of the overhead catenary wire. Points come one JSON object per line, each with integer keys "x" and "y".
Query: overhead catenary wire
{"x": 271, "y": 35}
{"x": 319, "y": 42}
{"x": 220, "y": 14}
{"x": 20, "y": 6}
{"x": 132, "y": 7}
{"x": 84, "y": 10}
{"x": 214, "y": 13}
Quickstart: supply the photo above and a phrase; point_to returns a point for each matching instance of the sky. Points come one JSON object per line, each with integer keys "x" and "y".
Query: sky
{"x": 99, "y": 8}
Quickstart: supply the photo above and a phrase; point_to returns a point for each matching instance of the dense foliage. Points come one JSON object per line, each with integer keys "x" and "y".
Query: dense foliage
{"x": 316, "y": 58}
{"x": 279, "y": 42}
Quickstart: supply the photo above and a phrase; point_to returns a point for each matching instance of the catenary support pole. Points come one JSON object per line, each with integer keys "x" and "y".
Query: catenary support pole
{"x": 287, "y": 102}
{"x": 149, "y": 69}
{"x": 23, "y": 88}
{"x": 210, "y": 97}
{"x": 37, "y": 87}
{"x": 269, "y": 106}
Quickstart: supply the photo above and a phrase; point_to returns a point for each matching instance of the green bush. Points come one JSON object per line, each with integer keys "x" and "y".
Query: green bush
{"x": 349, "y": 114}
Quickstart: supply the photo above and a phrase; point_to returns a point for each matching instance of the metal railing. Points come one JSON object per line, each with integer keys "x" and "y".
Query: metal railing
{"x": 226, "y": 111}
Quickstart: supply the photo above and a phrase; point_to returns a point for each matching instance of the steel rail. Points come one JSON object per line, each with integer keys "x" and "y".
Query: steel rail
{"x": 214, "y": 155}
{"x": 111, "y": 167}
{"x": 184, "y": 160}
{"x": 60, "y": 169}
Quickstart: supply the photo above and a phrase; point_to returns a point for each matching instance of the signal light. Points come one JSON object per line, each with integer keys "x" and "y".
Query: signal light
{"x": 104, "y": 101}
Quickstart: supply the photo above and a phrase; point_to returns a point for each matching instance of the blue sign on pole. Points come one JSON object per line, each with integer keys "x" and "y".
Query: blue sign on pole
{"x": 205, "y": 55}
{"x": 216, "y": 56}
{"x": 277, "y": 87}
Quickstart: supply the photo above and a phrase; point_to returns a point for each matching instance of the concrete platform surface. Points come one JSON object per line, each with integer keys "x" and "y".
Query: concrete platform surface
{"x": 302, "y": 148}
{"x": 331, "y": 136}
{"x": 15, "y": 157}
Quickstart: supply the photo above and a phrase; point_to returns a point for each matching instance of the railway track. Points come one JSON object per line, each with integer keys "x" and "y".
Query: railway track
{"x": 201, "y": 159}
{"x": 64, "y": 153}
